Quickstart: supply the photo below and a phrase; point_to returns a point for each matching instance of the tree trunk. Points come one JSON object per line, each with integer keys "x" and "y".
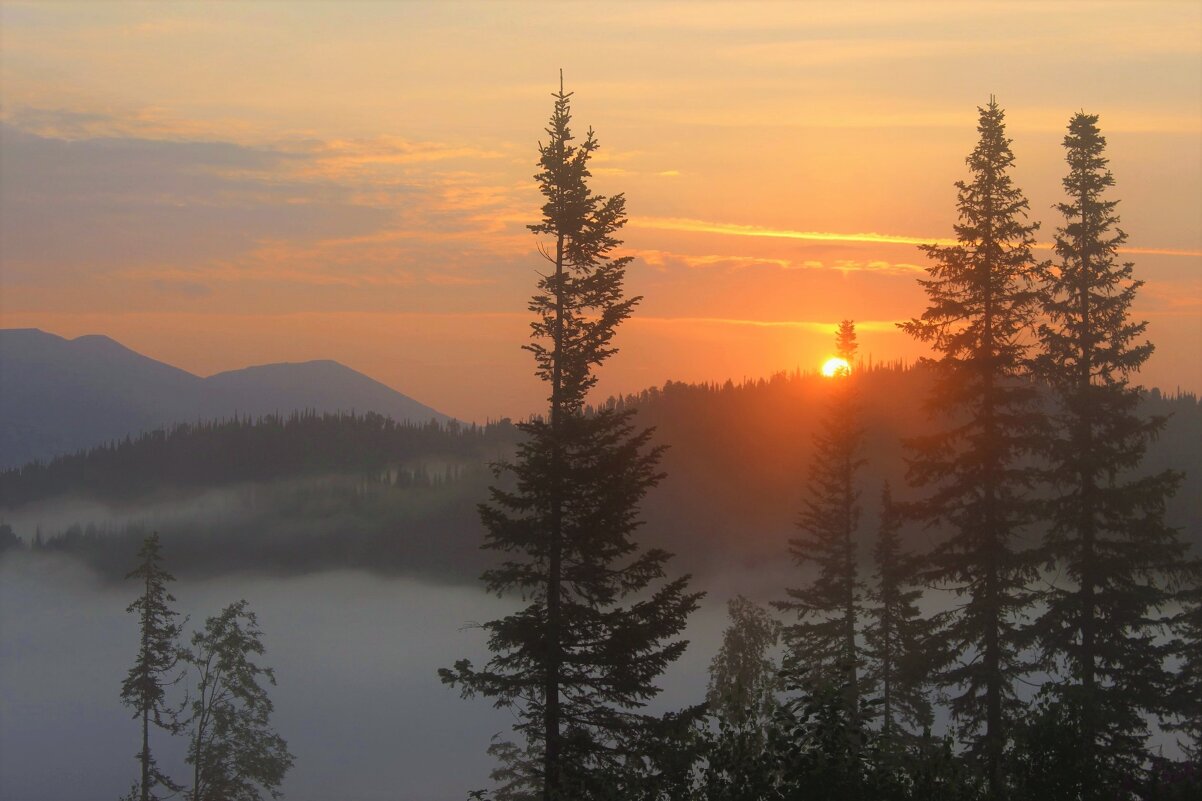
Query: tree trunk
{"x": 551, "y": 768}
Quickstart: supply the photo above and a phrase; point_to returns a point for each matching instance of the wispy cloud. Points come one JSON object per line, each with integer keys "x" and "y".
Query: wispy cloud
{"x": 664, "y": 259}
{"x": 861, "y": 237}
{"x": 735, "y": 229}
{"x": 880, "y": 326}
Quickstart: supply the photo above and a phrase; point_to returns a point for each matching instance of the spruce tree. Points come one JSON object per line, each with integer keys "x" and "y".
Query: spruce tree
{"x": 981, "y": 304}
{"x": 1107, "y": 541}
{"x": 822, "y": 642}
{"x": 598, "y": 626}
{"x": 897, "y": 636}
{"x": 145, "y": 686}
{"x": 234, "y": 753}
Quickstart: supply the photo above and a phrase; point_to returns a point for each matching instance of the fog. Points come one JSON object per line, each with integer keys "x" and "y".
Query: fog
{"x": 356, "y": 656}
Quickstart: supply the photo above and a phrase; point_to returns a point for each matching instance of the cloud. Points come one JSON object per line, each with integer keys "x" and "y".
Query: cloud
{"x": 70, "y": 207}
{"x": 827, "y": 327}
{"x": 734, "y": 229}
{"x": 862, "y": 237}
{"x": 187, "y": 215}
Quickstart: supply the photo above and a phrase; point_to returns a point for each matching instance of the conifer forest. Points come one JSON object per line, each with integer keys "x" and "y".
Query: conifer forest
{"x": 969, "y": 574}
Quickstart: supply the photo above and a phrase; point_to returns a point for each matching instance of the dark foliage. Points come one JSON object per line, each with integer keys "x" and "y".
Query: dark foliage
{"x": 580, "y": 658}
{"x": 981, "y": 308}
{"x": 823, "y": 640}
{"x": 234, "y": 753}
{"x": 145, "y": 687}
{"x": 228, "y": 452}
{"x": 1114, "y": 557}
{"x": 897, "y": 637}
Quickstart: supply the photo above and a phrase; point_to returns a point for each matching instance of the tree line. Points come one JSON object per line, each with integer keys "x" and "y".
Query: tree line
{"x": 1061, "y": 573}
{"x": 225, "y": 452}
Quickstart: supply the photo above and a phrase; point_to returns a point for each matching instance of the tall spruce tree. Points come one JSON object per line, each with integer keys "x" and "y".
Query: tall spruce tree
{"x": 981, "y": 307}
{"x": 897, "y": 636}
{"x": 578, "y": 660}
{"x": 1108, "y": 542}
{"x": 145, "y": 687}
{"x": 822, "y": 642}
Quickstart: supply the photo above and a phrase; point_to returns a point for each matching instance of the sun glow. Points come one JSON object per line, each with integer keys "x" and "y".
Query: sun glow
{"x": 835, "y": 366}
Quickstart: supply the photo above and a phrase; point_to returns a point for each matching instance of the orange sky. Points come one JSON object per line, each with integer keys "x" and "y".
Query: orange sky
{"x": 238, "y": 183}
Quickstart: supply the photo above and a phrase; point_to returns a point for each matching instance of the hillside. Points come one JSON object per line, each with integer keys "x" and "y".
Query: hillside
{"x": 312, "y": 492}
{"x": 63, "y": 395}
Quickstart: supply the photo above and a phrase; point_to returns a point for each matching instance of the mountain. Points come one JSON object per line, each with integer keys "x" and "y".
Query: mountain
{"x": 61, "y": 395}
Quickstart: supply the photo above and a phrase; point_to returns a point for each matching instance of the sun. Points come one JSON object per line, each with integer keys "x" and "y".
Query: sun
{"x": 835, "y": 366}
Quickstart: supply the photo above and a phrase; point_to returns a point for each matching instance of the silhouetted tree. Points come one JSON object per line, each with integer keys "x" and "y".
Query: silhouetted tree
{"x": 981, "y": 305}
{"x": 579, "y": 659}
{"x": 743, "y": 675}
{"x": 1108, "y": 542}
{"x": 145, "y": 687}
{"x": 897, "y": 636}
{"x": 1046, "y": 761}
{"x": 234, "y": 752}
{"x": 823, "y": 640}
{"x": 9, "y": 539}
{"x": 742, "y": 700}
{"x": 1186, "y": 698}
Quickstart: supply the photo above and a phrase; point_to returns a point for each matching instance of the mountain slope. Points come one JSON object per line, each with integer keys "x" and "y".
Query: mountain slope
{"x": 61, "y": 395}
{"x": 312, "y": 493}
{"x": 320, "y": 385}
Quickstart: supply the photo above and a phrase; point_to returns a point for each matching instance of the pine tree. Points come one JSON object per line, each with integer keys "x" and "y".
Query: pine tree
{"x": 897, "y": 636}
{"x": 1108, "y": 540}
{"x": 581, "y": 657}
{"x": 145, "y": 686}
{"x": 234, "y": 752}
{"x": 981, "y": 307}
{"x": 823, "y": 640}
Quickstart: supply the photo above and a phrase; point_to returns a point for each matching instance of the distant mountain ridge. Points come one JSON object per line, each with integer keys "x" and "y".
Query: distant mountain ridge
{"x": 60, "y": 395}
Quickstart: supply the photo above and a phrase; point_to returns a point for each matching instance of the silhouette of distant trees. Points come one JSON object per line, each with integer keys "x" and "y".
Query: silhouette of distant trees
{"x": 220, "y": 453}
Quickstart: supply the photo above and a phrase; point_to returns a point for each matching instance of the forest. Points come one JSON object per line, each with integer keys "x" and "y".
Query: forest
{"x": 991, "y": 559}
{"x": 323, "y": 492}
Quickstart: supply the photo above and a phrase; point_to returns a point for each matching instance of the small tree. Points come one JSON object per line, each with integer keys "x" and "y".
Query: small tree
{"x": 234, "y": 752}
{"x": 144, "y": 688}
{"x": 897, "y": 637}
{"x": 822, "y": 642}
{"x": 1108, "y": 539}
{"x": 979, "y": 320}
{"x": 742, "y": 700}
{"x": 743, "y": 675}
{"x": 579, "y": 659}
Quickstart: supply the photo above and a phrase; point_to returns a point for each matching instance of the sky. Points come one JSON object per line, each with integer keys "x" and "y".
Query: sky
{"x": 225, "y": 184}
